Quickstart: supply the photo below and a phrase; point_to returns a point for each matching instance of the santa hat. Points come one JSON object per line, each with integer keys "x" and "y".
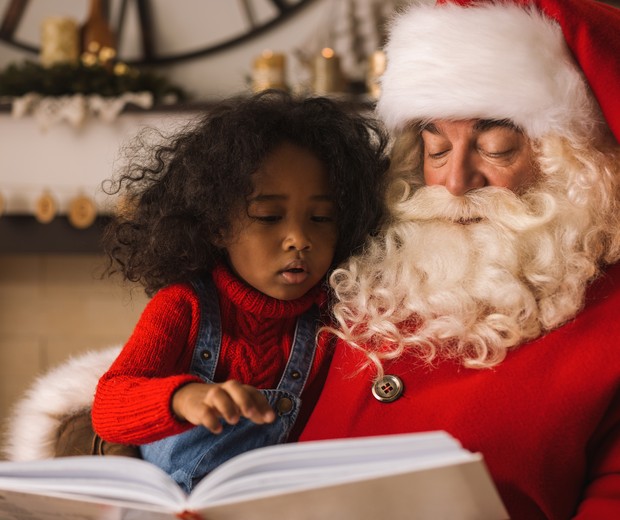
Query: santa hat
{"x": 547, "y": 65}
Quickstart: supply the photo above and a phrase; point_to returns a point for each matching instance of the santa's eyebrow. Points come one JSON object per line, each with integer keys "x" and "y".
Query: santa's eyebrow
{"x": 486, "y": 124}
{"x": 429, "y": 127}
{"x": 480, "y": 126}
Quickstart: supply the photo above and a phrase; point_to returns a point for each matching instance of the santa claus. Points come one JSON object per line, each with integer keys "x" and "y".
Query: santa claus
{"x": 488, "y": 304}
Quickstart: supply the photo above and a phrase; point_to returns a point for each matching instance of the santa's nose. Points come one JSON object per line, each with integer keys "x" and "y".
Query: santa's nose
{"x": 462, "y": 174}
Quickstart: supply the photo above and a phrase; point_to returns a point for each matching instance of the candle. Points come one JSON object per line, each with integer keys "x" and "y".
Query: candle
{"x": 269, "y": 71}
{"x": 327, "y": 75}
{"x": 376, "y": 67}
{"x": 59, "y": 41}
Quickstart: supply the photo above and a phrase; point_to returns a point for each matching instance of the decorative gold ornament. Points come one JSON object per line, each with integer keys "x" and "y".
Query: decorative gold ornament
{"x": 93, "y": 47}
{"x": 59, "y": 41}
{"x": 106, "y": 54}
{"x": 88, "y": 59}
{"x": 121, "y": 69}
{"x": 45, "y": 208}
{"x": 269, "y": 71}
{"x": 82, "y": 212}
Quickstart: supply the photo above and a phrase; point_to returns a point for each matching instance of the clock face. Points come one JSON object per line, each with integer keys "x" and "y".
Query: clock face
{"x": 154, "y": 31}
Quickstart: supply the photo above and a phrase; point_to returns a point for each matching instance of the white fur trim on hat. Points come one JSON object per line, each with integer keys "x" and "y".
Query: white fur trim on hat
{"x": 490, "y": 61}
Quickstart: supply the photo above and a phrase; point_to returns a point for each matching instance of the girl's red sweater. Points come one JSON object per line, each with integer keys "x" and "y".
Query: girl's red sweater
{"x": 132, "y": 403}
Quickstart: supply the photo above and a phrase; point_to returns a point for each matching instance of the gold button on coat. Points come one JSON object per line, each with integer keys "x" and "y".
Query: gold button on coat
{"x": 388, "y": 388}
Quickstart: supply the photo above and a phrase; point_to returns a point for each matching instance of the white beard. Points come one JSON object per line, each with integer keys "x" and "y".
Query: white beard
{"x": 434, "y": 285}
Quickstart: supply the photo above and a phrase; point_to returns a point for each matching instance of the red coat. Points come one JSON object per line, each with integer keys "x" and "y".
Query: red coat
{"x": 547, "y": 419}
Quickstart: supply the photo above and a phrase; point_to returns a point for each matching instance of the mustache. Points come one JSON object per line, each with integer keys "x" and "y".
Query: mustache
{"x": 498, "y": 206}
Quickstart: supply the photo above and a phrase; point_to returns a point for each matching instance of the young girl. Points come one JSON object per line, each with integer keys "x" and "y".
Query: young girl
{"x": 232, "y": 228}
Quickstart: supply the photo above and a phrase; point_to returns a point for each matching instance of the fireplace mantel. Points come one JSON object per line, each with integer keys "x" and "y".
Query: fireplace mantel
{"x": 65, "y": 162}
{"x": 22, "y": 234}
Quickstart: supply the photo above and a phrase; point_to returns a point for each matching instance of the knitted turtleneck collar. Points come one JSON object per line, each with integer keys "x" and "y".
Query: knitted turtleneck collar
{"x": 255, "y": 302}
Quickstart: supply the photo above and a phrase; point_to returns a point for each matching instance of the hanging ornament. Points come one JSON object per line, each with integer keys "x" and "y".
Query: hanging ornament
{"x": 82, "y": 212}
{"x": 45, "y": 208}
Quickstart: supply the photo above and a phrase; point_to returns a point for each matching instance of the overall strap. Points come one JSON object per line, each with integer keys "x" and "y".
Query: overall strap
{"x": 207, "y": 349}
{"x": 302, "y": 352}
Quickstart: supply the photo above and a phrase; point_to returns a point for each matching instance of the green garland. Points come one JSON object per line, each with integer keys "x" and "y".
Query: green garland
{"x": 67, "y": 79}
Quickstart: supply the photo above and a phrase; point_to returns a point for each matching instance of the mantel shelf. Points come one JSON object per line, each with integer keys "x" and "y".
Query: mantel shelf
{"x": 23, "y": 234}
{"x": 66, "y": 162}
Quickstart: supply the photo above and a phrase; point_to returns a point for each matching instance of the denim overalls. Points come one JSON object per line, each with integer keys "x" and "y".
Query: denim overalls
{"x": 189, "y": 456}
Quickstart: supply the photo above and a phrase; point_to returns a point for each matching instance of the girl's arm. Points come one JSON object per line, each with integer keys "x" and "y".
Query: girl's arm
{"x": 133, "y": 400}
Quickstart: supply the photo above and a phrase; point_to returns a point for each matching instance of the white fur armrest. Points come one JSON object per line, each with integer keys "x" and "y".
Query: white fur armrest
{"x": 33, "y": 423}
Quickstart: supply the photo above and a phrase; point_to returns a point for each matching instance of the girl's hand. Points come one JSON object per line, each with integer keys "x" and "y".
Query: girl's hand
{"x": 206, "y": 403}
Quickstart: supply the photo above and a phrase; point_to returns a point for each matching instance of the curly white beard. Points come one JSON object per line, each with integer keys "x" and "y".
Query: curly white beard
{"x": 467, "y": 277}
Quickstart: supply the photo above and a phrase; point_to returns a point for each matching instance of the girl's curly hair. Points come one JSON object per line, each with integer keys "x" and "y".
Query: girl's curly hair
{"x": 177, "y": 194}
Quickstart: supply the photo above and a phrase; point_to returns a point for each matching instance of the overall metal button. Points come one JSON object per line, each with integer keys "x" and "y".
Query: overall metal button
{"x": 295, "y": 374}
{"x": 388, "y": 388}
{"x": 205, "y": 354}
{"x": 284, "y": 405}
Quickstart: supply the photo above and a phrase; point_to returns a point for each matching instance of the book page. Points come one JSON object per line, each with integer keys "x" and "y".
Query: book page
{"x": 16, "y": 505}
{"x": 118, "y": 478}
{"x": 324, "y": 462}
{"x": 457, "y": 492}
{"x": 331, "y": 457}
{"x": 276, "y": 482}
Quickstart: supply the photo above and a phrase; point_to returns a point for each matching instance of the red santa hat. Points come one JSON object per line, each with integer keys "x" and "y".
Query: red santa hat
{"x": 547, "y": 65}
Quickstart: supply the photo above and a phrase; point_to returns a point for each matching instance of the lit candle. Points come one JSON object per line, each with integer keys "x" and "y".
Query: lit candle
{"x": 327, "y": 75}
{"x": 269, "y": 71}
{"x": 59, "y": 41}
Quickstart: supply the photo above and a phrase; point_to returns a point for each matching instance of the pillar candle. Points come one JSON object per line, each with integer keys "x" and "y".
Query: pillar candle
{"x": 269, "y": 71}
{"x": 327, "y": 74}
{"x": 376, "y": 67}
{"x": 59, "y": 41}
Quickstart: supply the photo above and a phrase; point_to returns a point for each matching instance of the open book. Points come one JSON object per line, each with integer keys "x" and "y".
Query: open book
{"x": 408, "y": 476}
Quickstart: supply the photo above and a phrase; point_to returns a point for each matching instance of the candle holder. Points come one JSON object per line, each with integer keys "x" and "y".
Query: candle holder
{"x": 269, "y": 71}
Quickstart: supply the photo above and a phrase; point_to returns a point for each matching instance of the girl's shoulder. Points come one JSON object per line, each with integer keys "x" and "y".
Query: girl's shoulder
{"x": 176, "y": 294}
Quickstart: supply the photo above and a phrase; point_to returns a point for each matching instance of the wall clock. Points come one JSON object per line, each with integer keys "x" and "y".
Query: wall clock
{"x": 160, "y": 31}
